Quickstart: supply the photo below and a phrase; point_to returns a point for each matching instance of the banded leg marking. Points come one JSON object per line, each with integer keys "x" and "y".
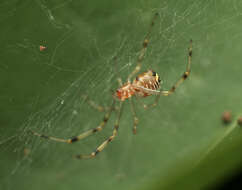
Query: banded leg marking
{"x": 107, "y": 141}
{"x": 184, "y": 76}
{"x": 82, "y": 135}
{"x": 143, "y": 50}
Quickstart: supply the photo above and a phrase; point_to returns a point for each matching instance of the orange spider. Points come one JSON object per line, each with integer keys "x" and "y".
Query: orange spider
{"x": 145, "y": 84}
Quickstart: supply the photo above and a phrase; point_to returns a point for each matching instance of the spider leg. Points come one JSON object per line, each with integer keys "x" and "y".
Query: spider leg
{"x": 82, "y": 135}
{"x": 184, "y": 76}
{"x": 143, "y": 50}
{"x": 94, "y": 105}
{"x": 136, "y": 120}
{"x": 117, "y": 73}
{"x": 107, "y": 141}
{"x": 147, "y": 106}
{"x": 120, "y": 81}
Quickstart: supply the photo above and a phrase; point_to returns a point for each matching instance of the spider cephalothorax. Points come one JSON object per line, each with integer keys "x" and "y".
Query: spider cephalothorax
{"x": 145, "y": 84}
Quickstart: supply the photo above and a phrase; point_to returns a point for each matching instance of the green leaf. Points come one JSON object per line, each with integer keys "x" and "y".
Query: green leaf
{"x": 180, "y": 144}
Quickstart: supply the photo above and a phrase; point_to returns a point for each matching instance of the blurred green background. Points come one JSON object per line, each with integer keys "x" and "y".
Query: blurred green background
{"x": 180, "y": 144}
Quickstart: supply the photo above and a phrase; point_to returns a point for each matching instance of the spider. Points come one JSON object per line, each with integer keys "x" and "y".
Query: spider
{"x": 145, "y": 84}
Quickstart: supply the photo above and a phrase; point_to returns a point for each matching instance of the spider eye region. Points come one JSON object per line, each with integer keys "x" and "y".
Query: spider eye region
{"x": 154, "y": 73}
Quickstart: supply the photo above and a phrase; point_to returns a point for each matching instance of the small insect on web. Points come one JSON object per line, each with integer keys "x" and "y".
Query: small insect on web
{"x": 145, "y": 84}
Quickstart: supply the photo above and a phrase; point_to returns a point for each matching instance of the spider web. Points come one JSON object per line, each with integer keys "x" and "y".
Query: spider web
{"x": 79, "y": 59}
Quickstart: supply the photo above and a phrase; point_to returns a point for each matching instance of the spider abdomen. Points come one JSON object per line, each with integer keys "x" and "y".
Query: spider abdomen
{"x": 143, "y": 85}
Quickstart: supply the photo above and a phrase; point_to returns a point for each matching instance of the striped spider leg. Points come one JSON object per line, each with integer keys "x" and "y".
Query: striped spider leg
{"x": 96, "y": 106}
{"x": 114, "y": 133}
{"x": 107, "y": 141}
{"x": 143, "y": 50}
{"x": 137, "y": 69}
{"x": 174, "y": 87}
{"x": 94, "y": 130}
{"x": 84, "y": 134}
